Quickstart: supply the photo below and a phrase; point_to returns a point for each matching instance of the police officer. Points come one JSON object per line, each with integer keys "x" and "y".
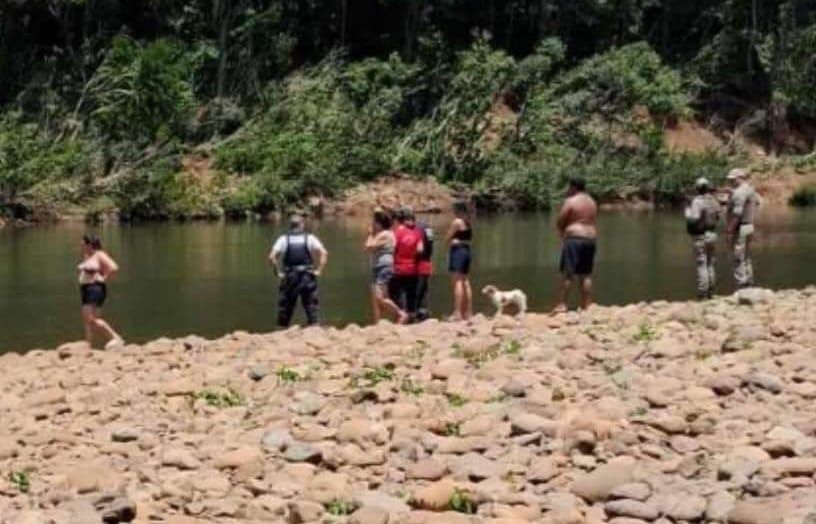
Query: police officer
{"x": 702, "y": 216}
{"x": 742, "y": 209}
{"x": 299, "y": 258}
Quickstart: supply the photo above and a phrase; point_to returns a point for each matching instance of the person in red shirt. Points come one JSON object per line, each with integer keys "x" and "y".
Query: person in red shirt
{"x": 409, "y": 246}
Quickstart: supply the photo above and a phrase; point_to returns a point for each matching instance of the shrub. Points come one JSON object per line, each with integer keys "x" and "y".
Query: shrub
{"x": 28, "y": 159}
{"x": 804, "y": 197}
{"x": 313, "y": 138}
{"x": 160, "y": 190}
{"x": 142, "y": 92}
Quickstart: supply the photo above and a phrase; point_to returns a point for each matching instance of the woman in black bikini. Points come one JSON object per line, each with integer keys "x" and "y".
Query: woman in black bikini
{"x": 94, "y": 271}
{"x": 460, "y": 235}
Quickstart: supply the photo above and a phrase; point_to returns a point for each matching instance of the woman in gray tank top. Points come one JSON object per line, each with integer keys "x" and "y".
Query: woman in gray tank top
{"x": 381, "y": 243}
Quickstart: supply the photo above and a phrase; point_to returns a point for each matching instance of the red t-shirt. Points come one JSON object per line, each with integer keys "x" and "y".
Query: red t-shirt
{"x": 425, "y": 268}
{"x": 405, "y": 252}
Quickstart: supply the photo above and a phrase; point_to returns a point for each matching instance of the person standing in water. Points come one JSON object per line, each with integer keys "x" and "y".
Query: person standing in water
{"x": 702, "y": 216}
{"x": 576, "y": 227}
{"x": 96, "y": 268}
{"x": 460, "y": 235}
{"x": 299, "y": 259}
{"x": 424, "y": 270}
{"x": 409, "y": 246}
{"x": 381, "y": 243}
{"x": 742, "y": 208}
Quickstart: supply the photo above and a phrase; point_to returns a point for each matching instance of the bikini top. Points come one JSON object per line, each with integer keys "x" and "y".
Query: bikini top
{"x": 464, "y": 235}
{"x": 89, "y": 271}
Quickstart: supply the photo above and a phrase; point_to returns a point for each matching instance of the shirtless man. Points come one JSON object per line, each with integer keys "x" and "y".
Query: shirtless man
{"x": 576, "y": 226}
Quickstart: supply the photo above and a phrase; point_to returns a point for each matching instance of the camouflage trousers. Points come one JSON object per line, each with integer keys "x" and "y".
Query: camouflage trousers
{"x": 743, "y": 267}
{"x": 704, "y": 255}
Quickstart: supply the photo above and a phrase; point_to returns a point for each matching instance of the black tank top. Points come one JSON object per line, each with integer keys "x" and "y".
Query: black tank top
{"x": 464, "y": 235}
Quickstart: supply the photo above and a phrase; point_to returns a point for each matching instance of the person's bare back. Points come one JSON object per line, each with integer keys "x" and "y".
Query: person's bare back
{"x": 578, "y": 216}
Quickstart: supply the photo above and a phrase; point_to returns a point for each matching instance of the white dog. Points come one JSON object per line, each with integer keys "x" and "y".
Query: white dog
{"x": 502, "y": 299}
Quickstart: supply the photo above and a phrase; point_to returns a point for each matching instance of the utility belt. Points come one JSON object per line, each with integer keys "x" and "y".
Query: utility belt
{"x": 695, "y": 229}
{"x": 298, "y": 269}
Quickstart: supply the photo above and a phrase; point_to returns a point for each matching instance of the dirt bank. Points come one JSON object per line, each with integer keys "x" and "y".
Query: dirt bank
{"x": 664, "y": 412}
{"x": 423, "y": 195}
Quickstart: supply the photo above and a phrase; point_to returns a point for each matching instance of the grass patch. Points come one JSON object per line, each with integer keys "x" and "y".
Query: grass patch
{"x": 646, "y": 332}
{"x": 461, "y": 502}
{"x": 804, "y": 197}
{"x": 21, "y": 481}
{"x": 410, "y": 387}
{"x": 511, "y": 347}
{"x": 340, "y": 508}
{"x": 287, "y": 375}
{"x": 558, "y": 395}
{"x": 452, "y": 429}
{"x": 220, "y": 399}
{"x": 371, "y": 377}
{"x": 456, "y": 400}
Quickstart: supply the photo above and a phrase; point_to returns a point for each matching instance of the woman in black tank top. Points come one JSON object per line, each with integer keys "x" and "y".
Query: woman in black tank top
{"x": 460, "y": 235}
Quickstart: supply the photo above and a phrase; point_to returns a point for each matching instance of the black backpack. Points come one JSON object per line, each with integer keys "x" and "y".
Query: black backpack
{"x": 427, "y": 241}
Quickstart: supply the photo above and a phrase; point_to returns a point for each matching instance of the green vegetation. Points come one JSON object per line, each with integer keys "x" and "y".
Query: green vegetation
{"x": 220, "y": 399}
{"x": 242, "y": 107}
{"x": 452, "y": 429}
{"x": 340, "y": 508}
{"x": 456, "y": 400}
{"x": 410, "y": 387}
{"x": 462, "y": 503}
{"x": 287, "y": 375}
{"x": 646, "y": 332}
{"x": 371, "y": 377}
{"x": 804, "y": 197}
{"x": 20, "y": 480}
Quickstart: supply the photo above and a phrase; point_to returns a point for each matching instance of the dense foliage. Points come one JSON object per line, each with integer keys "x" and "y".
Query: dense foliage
{"x": 104, "y": 103}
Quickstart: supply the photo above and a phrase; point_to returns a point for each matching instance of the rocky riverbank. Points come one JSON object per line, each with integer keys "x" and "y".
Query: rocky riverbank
{"x": 663, "y": 412}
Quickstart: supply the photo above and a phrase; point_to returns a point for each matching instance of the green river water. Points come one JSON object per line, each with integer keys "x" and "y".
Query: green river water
{"x": 211, "y": 278}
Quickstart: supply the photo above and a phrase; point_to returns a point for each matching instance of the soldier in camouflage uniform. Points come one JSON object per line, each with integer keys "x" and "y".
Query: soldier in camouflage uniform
{"x": 702, "y": 216}
{"x": 742, "y": 208}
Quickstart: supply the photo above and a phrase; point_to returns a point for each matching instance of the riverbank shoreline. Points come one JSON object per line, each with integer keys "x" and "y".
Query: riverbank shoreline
{"x": 424, "y": 194}
{"x": 664, "y": 412}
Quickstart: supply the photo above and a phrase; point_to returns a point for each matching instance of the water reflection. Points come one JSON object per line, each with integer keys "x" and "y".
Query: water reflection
{"x": 211, "y": 279}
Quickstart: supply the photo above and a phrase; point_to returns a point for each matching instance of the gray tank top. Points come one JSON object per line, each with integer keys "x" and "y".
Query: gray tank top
{"x": 383, "y": 256}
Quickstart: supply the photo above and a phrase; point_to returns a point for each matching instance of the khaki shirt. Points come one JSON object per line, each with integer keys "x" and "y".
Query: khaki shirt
{"x": 744, "y": 203}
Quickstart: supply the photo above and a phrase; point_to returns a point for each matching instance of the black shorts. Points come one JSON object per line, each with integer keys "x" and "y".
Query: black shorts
{"x": 459, "y": 259}
{"x": 577, "y": 256}
{"x": 93, "y": 294}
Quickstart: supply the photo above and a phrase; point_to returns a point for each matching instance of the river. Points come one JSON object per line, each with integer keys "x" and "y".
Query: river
{"x": 211, "y": 278}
